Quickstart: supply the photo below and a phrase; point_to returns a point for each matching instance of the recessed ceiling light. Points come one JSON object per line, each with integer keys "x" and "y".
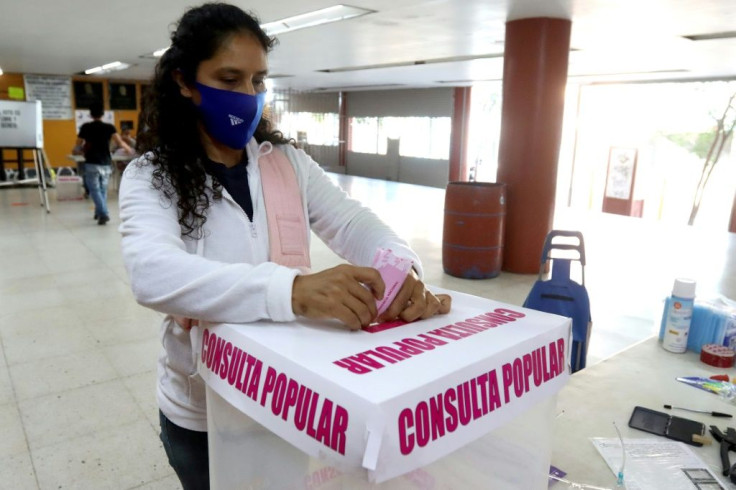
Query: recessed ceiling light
{"x": 155, "y": 54}
{"x": 358, "y": 87}
{"x": 310, "y": 19}
{"x": 107, "y": 68}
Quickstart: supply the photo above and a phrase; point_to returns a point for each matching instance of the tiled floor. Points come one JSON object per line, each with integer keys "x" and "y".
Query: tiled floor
{"x": 77, "y": 355}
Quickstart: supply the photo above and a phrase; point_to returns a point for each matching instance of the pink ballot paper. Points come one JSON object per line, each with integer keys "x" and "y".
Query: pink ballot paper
{"x": 393, "y": 271}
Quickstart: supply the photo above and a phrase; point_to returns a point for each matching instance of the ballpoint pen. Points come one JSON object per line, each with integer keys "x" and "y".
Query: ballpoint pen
{"x": 715, "y": 414}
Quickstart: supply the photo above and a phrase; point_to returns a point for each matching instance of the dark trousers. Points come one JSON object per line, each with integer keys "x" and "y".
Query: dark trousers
{"x": 187, "y": 453}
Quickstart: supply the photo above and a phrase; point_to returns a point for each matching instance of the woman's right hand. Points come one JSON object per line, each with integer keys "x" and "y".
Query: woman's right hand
{"x": 339, "y": 293}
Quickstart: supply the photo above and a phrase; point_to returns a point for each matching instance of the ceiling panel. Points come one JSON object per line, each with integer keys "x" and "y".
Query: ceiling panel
{"x": 611, "y": 39}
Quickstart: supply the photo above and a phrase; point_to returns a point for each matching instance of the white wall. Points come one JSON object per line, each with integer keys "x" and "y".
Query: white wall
{"x": 423, "y": 171}
{"x": 326, "y": 156}
{"x": 419, "y": 171}
{"x": 430, "y": 102}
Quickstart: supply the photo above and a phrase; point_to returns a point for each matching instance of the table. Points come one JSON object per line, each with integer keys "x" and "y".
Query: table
{"x": 380, "y": 406}
{"x": 608, "y": 391}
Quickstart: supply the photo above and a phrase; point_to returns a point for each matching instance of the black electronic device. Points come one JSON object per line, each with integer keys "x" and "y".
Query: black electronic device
{"x": 664, "y": 424}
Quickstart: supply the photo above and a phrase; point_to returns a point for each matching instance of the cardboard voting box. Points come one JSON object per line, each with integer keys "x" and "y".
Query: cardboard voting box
{"x": 294, "y": 404}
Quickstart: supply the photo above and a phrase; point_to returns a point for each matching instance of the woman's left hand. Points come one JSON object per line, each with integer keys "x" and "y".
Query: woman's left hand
{"x": 415, "y": 301}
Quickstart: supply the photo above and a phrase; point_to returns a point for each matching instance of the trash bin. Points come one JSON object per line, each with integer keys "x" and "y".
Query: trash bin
{"x": 472, "y": 240}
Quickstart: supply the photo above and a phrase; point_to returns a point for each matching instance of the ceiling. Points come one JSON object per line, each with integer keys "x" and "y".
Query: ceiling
{"x": 611, "y": 39}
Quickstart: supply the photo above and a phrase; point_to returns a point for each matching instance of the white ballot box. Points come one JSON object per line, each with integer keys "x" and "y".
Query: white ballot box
{"x": 464, "y": 400}
{"x": 68, "y": 188}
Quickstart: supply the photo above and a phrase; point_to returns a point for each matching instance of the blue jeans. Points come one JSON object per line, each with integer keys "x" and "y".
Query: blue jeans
{"x": 188, "y": 454}
{"x": 96, "y": 177}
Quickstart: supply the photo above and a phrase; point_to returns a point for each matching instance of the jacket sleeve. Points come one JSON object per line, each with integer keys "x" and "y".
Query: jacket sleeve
{"x": 166, "y": 277}
{"x": 350, "y": 229}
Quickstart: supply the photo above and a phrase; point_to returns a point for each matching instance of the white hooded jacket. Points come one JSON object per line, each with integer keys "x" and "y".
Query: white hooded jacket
{"x": 225, "y": 276}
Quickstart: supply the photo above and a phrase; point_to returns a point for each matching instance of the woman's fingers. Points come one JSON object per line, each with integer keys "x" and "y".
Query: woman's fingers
{"x": 349, "y": 293}
{"x": 339, "y": 293}
{"x": 445, "y": 303}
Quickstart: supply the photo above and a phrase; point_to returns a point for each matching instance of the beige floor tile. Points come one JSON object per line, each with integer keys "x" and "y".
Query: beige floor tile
{"x": 12, "y": 235}
{"x": 57, "y": 418}
{"x": 143, "y": 388}
{"x": 134, "y": 357}
{"x": 61, "y": 373}
{"x": 22, "y": 265}
{"x": 16, "y": 472}
{"x": 13, "y": 440}
{"x": 6, "y": 388}
{"x": 120, "y": 272}
{"x": 124, "y": 455}
{"x": 71, "y": 249}
{"x": 169, "y": 483}
{"x": 26, "y": 285}
{"x": 90, "y": 313}
{"x": 23, "y": 302}
{"x": 33, "y": 343}
{"x": 140, "y": 325}
{"x": 100, "y": 276}
{"x": 16, "y": 324}
{"x": 60, "y": 264}
{"x": 100, "y": 293}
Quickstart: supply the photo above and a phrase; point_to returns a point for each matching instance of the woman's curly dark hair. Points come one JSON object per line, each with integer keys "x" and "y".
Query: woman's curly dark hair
{"x": 169, "y": 121}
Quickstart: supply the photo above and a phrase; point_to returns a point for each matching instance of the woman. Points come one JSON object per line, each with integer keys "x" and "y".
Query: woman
{"x": 195, "y": 222}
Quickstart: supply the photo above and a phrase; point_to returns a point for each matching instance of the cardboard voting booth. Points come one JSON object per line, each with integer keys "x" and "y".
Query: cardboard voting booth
{"x": 423, "y": 405}
{"x": 21, "y": 124}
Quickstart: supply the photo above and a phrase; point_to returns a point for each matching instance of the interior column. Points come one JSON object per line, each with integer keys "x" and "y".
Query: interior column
{"x": 534, "y": 78}
{"x": 459, "y": 135}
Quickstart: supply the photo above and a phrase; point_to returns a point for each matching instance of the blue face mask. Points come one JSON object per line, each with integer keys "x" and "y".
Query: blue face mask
{"x": 230, "y": 117}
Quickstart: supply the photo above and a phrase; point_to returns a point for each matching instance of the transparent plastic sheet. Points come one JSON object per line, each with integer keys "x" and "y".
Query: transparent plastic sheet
{"x": 653, "y": 464}
{"x": 245, "y": 455}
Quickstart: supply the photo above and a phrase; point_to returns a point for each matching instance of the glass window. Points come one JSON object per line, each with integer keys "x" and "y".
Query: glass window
{"x": 364, "y": 135}
{"x": 420, "y": 137}
{"x": 311, "y": 128}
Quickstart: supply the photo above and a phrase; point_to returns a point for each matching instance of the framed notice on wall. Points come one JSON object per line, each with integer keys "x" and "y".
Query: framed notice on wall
{"x": 54, "y": 92}
{"x": 122, "y": 97}
{"x": 86, "y": 93}
{"x": 621, "y": 171}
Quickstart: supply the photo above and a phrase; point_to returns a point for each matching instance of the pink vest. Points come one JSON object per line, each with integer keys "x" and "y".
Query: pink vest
{"x": 288, "y": 234}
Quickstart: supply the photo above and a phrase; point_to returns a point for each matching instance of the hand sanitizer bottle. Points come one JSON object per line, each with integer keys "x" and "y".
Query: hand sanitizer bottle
{"x": 679, "y": 314}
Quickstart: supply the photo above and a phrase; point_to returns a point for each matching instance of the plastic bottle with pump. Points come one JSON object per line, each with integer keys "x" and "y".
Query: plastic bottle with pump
{"x": 679, "y": 314}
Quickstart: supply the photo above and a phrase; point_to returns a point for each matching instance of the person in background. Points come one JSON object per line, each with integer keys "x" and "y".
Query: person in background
{"x": 93, "y": 142}
{"x": 195, "y": 224}
{"x": 126, "y": 134}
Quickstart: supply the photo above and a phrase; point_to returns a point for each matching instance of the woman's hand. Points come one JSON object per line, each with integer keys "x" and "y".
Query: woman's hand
{"x": 339, "y": 293}
{"x": 414, "y": 301}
